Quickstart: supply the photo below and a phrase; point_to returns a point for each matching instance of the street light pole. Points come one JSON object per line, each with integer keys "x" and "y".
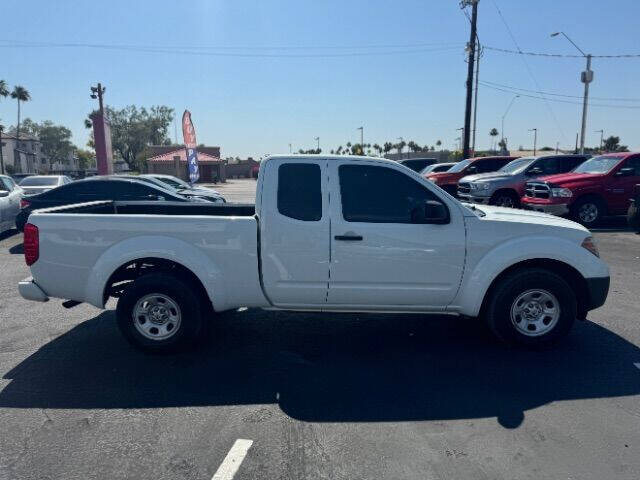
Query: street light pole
{"x": 503, "y": 116}
{"x": 601, "y": 132}
{"x": 1, "y": 155}
{"x": 361, "y": 139}
{"x": 586, "y": 77}
{"x": 401, "y": 140}
{"x": 289, "y": 148}
{"x": 535, "y": 139}
{"x": 317, "y": 139}
{"x": 96, "y": 92}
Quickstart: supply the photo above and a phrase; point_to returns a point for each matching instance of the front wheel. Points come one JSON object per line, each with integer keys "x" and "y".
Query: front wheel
{"x": 505, "y": 199}
{"x": 588, "y": 211}
{"x": 532, "y": 308}
{"x": 160, "y": 313}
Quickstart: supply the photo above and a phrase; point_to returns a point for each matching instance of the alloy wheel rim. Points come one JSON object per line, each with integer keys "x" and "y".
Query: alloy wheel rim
{"x": 588, "y": 212}
{"x": 535, "y": 312}
{"x": 505, "y": 202}
{"x": 157, "y": 317}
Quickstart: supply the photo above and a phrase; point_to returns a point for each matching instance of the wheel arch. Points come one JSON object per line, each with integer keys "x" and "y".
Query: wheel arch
{"x": 573, "y": 277}
{"x": 586, "y": 195}
{"x": 128, "y": 272}
{"x": 511, "y": 191}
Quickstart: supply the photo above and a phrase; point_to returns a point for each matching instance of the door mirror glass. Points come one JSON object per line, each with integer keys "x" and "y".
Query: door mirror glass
{"x": 626, "y": 172}
{"x": 472, "y": 169}
{"x": 435, "y": 212}
{"x": 534, "y": 171}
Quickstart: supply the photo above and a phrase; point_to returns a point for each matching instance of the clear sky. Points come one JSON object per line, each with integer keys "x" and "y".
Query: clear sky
{"x": 253, "y": 103}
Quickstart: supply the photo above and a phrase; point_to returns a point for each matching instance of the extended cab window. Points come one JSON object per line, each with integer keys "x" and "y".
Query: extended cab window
{"x": 300, "y": 191}
{"x": 380, "y": 195}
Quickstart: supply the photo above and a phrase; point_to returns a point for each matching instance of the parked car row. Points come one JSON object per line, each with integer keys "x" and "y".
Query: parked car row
{"x": 17, "y": 201}
{"x": 582, "y": 187}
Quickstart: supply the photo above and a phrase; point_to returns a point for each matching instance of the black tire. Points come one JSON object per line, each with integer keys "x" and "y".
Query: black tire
{"x": 191, "y": 313}
{"x": 510, "y": 288}
{"x": 588, "y": 204}
{"x": 505, "y": 199}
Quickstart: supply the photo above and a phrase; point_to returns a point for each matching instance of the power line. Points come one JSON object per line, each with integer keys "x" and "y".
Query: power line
{"x": 558, "y": 100}
{"x": 216, "y": 51}
{"x": 611, "y": 99}
{"x": 558, "y": 55}
{"x": 533, "y": 78}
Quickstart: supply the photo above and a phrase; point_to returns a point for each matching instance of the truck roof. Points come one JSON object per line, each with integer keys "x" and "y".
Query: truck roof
{"x": 315, "y": 157}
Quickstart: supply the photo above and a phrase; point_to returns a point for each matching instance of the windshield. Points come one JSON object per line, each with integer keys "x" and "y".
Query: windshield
{"x": 39, "y": 182}
{"x": 460, "y": 166}
{"x": 517, "y": 166}
{"x": 174, "y": 182}
{"x": 601, "y": 164}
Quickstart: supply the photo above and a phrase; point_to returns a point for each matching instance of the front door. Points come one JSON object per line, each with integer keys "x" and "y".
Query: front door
{"x": 294, "y": 234}
{"x": 620, "y": 188}
{"x": 380, "y": 258}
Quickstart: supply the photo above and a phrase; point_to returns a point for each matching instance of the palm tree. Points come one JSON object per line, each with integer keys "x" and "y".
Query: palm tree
{"x": 378, "y": 149}
{"x": 388, "y": 146}
{"x": 21, "y": 95}
{"x": 438, "y": 143}
{"x": 4, "y": 90}
{"x": 493, "y": 133}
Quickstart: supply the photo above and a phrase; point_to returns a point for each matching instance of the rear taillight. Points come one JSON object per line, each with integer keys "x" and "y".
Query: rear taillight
{"x": 31, "y": 244}
{"x": 24, "y": 203}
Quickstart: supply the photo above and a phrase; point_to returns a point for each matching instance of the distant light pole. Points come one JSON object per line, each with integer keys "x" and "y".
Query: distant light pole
{"x": 1, "y": 157}
{"x": 601, "y": 132}
{"x": 289, "y": 148}
{"x": 586, "y": 77}
{"x": 535, "y": 139}
{"x": 503, "y": 117}
{"x": 317, "y": 139}
{"x": 96, "y": 92}
{"x": 361, "y": 139}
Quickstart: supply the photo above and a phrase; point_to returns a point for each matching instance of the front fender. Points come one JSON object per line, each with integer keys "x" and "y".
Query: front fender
{"x": 167, "y": 248}
{"x": 481, "y": 272}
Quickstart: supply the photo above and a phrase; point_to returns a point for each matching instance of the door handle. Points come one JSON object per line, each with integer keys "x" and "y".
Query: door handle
{"x": 349, "y": 238}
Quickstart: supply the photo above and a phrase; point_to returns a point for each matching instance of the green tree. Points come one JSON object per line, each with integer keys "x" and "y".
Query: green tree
{"x": 378, "y": 149}
{"x": 493, "y": 133}
{"x": 21, "y": 95}
{"x": 612, "y": 144}
{"x": 133, "y": 129}
{"x": 414, "y": 147}
{"x": 400, "y": 145}
{"x": 86, "y": 159}
{"x": 438, "y": 144}
{"x": 55, "y": 139}
{"x": 388, "y": 146}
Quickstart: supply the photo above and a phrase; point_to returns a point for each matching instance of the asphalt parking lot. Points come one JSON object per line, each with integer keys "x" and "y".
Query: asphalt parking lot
{"x": 318, "y": 396}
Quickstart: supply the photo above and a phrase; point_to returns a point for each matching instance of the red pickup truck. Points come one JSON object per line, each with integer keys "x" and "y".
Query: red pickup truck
{"x": 602, "y": 185}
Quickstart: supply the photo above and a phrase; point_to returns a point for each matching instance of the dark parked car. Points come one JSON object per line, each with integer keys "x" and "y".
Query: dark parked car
{"x": 437, "y": 167}
{"x": 93, "y": 189}
{"x": 418, "y": 164}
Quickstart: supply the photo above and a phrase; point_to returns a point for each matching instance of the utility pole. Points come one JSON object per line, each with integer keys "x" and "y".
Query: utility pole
{"x": 576, "y": 150}
{"x": 317, "y": 139}
{"x": 471, "y": 63}
{"x": 475, "y": 97}
{"x": 535, "y": 139}
{"x": 601, "y": 138}
{"x": 289, "y": 148}
{"x": 401, "y": 140}
{"x": 586, "y": 77}
{"x": 557, "y": 147}
{"x": 361, "y": 139}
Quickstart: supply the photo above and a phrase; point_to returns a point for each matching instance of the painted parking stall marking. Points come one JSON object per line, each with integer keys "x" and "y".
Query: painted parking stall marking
{"x": 231, "y": 463}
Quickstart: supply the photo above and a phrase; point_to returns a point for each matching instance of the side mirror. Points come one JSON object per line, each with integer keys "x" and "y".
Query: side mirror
{"x": 4, "y": 193}
{"x": 626, "y": 172}
{"x": 435, "y": 212}
{"x": 472, "y": 169}
{"x": 534, "y": 171}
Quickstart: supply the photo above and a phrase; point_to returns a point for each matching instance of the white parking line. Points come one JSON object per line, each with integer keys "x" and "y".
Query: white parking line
{"x": 637, "y": 364}
{"x": 232, "y": 461}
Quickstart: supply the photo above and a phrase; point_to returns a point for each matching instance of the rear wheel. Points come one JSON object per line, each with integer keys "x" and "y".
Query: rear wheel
{"x": 588, "y": 211}
{"x": 160, "y": 313}
{"x": 531, "y": 307}
{"x": 505, "y": 199}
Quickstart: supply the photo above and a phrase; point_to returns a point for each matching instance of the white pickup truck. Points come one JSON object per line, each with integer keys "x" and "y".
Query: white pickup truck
{"x": 326, "y": 233}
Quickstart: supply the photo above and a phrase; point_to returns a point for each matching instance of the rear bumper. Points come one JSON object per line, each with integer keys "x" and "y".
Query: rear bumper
{"x": 30, "y": 290}
{"x": 597, "y": 289}
{"x": 558, "y": 209}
